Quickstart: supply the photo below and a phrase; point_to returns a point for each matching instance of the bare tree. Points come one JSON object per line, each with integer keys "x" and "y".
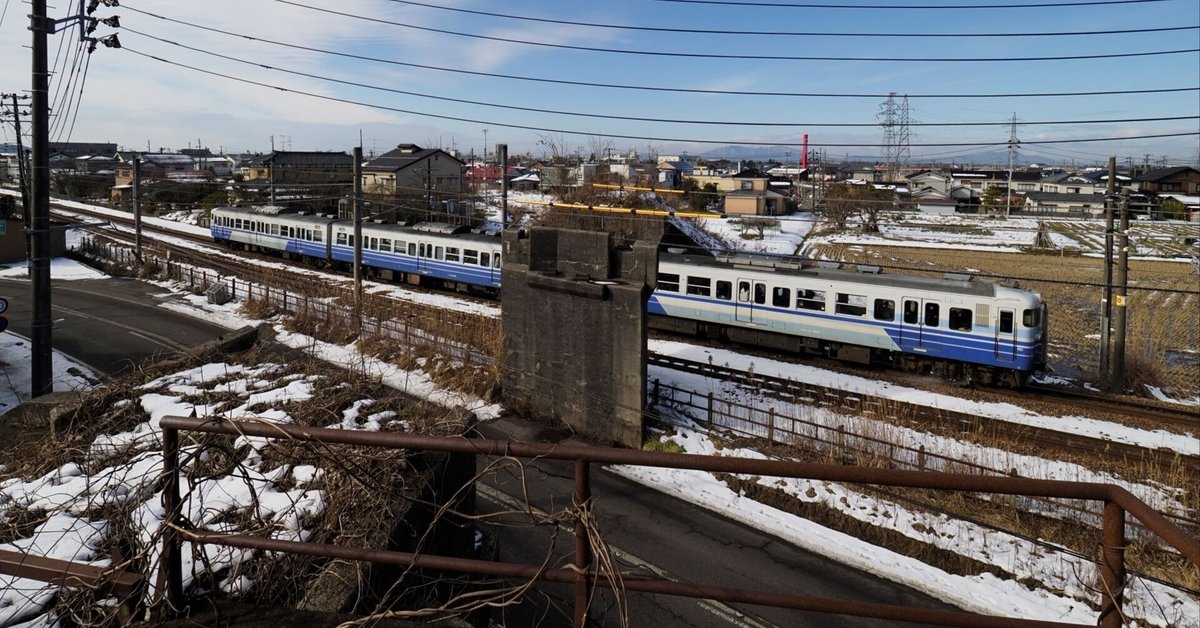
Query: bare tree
{"x": 556, "y": 147}
{"x": 599, "y": 147}
{"x": 759, "y": 224}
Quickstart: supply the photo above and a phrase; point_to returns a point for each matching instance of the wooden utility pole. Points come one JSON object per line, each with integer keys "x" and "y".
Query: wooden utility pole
{"x": 1120, "y": 301}
{"x": 1110, "y": 202}
{"x": 42, "y": 372}
{"x": 502, "y": 152}
{"x": 137, "y": 208}
{"x": 357, "y": 205}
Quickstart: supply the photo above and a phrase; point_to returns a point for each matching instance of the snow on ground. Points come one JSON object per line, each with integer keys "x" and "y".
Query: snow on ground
{"x": 61, "y": 268}
{"x": 16, "y": 363}
{"x": 1061, "y": 571}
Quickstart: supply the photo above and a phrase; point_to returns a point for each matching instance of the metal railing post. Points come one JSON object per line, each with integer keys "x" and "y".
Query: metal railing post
{"x": 1112, "y": 566}
{"x": 171, "y": 564}
{"x": 583, "y": 553}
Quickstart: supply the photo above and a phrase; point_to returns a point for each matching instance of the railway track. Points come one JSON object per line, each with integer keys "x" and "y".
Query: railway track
{"x": 922, "y": 415}
{"x": 942, "y": 419}
{"x": 1177, "y": 419}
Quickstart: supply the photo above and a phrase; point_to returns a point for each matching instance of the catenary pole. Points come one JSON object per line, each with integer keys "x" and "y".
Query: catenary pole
{"x": 502, "y": 152}
{"x": 357, "y": 206}
{"x": 41, "y": 380}
{"x": 137, "y": 208}
{"x": 1106, "y": 305}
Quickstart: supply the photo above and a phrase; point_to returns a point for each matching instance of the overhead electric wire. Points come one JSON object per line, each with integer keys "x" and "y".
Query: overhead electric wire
{"x": 901, "y": 7}
{"x": 613, "y": 135}
{"x": 494, "y": 105}
{"x": 702, "y": 55}
{"x": 698, "y": 31}
{"x": 87, "y": 63}
{"x": 651, "y": 88}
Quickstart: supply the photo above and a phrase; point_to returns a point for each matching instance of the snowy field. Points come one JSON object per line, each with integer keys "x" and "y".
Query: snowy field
{"x": 69, "y": 491}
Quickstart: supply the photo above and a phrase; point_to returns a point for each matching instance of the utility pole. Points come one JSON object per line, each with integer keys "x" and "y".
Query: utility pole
{"x": 137, "y": 208}
{"x": 271, "y": 174}
{"x": 23, "y": 174}
{"x": 1012, "y": 158}
{"x": 429, "y": 184}
{"x": 42, "y": 376}
{"x": 502, "y": 152}
{"x": 1110, "y": 200}
{"x": 357, "y": 205}
{"x": 1120, "y": 301}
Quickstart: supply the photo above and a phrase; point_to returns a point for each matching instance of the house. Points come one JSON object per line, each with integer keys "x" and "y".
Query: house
{"x": 409, "y": 170}
{"x": 671, "y": 173}
{"x": 79, "y": 149}
{"x": 1063, "y": 203}
{"x": 752, "y": 196}
{"x": 92, "y": 164}
{"x": 154, "y": 166}
{"x": 1023, "y": 180}
{"x": 288, "y": 166}
{"x": 926, "y": 179}
{"x": 1178, "y": 180}
{"x": 930, "y": 200}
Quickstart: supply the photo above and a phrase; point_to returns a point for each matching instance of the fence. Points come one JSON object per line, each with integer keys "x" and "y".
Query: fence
{"x": 585, "y": 576}
{"x": 848, "y": 446}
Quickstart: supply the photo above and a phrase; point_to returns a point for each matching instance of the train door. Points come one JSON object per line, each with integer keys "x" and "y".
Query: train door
{"x": 424, "y": 254}
{"x": 916, "y": 317}
{"x": 749, "y": 295}
{"x": 1006, "y": 335}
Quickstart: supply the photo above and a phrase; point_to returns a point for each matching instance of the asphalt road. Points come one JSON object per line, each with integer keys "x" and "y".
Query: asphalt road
{"x": 653, "y": 532}
{"x": 111, "y": 325}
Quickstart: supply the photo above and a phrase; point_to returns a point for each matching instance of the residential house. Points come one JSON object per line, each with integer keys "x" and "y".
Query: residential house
{"x": 300, "y": 167}
{"x": 409, "y": 170}
{"x": 79, "y": 149}
{"x": 930, "y": 200}
{"x": 672, "y": 173}
{"x": 154, "y": 166}
{"x": 752, "y": 195}
{"x": 1177, "y": 180}
{"x": 94, "y": 164}
{"x": 979, "y": 181}
{"x": 925, "y": 179}
{"x": 1063, "y": 203}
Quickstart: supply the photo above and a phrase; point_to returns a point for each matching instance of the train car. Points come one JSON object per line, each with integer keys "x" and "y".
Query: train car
{"x": 956, "y": 327}
{"x": 287, "y": 233}
{"x": 427, "y": 252}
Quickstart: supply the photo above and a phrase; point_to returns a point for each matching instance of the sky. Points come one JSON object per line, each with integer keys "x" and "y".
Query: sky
{"x": 136, "y": 100}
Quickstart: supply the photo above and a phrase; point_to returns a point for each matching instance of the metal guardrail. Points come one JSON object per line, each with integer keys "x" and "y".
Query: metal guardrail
{"x": 107, "y": 581}
{"x": 1117, "y": 502}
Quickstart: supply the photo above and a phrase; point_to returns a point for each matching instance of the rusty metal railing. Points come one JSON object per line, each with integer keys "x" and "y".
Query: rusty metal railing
{"x": 1117, "y": 502}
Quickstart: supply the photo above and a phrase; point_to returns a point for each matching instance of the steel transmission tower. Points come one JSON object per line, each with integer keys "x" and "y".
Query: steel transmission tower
{"x": 897, "y": 135}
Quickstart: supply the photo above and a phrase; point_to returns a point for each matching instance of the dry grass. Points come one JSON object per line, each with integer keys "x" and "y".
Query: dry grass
{"x": 257, "y": 308}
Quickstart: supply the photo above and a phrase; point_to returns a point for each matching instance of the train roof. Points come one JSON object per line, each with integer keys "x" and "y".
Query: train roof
{"x": 868, "y": 275}
{"x": 276, "y": 213}
{"x": 438, "y": 230}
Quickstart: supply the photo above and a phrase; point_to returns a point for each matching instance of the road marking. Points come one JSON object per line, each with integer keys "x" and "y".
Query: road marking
{"x": 719, "y": 609}
{"x": 140, "y": 333}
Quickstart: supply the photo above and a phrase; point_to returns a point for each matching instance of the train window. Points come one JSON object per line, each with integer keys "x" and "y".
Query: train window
{"x": 437, "y": 252}
{"x": 470, "y": 256}
{"x": 385, "y": 245}
{"x": 910, "y": 312}
{"x": 760, "y": 293}
{"x": 316, "y": 236}
{"x": 851, "y": 304}
{"x": 496, "y": 261}
{"x": 810, "y": 300}
{"x": 781, "y": 297}
{"x": 1032, "y": 318}
{"x": 424, "y": 250}
{"x": 412, "y": 249}
{"x": 725, "y": 290}
{"x": 668, "y": 282}
{"x": 960, "y": 319}
{"x": 342, "y": 239}
{"x": 485, "y": 259}
{"x": 885, "y": 310}
{"x": 933, "y": 314}
{"x": 743, "y": 292}
{"x": 452, "y": 254}
{"x": 373, "y": 244}
{"x": 1006, "y": 322}
{"x": 701, "y": 286}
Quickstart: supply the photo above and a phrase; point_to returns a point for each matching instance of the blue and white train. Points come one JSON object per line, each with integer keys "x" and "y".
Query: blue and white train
{"x": 959, "y": 328}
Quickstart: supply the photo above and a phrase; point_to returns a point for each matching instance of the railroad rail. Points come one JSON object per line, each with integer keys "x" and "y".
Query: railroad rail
{"x": 1180, "y": 419}
{"x": 927, "y": 416}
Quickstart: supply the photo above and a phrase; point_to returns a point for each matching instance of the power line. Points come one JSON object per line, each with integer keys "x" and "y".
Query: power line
{"x": 702, "y": 55}
{"x": 651, "y": 88}
{"x": 607, "y": 135}
{"x": 697, "y": 31}
{"x": 902, "y": 7}
{"x": 495, "y": 105}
